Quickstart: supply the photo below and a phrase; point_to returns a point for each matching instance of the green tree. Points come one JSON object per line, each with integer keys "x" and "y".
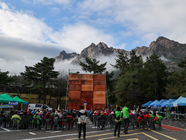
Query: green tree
{"x": 93, "y": 66}
{"x": 59, "y": 89}
{"x": 39, "y": 75}
{"x": 128, "y": 83}
{"x": 18, "y": 84}
{"x": 176, "y": 85}
{"x": 182, "y": 64}
{"x": 154, "y": 78}
{"x": 121, "y": 62}
{"x": 110, "y": 88}
{"x": 5, "y": 80}
{"x": 140, "y": 81}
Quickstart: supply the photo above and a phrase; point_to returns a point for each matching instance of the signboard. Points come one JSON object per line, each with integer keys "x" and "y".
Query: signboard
{"x": 25, "y": 103}
{"x": 6, "y": 106}
{"x": 13, "y": 102}
{"x": 175, "y": 104}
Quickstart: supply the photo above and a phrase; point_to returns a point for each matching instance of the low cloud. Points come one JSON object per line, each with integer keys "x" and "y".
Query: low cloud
{"x": 17, "y": 49}
{"x": 144, "y": 57}
{"x": 15, "y": 53}
{"x": 66, "y": 65}
{"x": 164, "y": 59}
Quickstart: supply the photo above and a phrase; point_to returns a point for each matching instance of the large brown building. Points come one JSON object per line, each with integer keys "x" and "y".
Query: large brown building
{"x": 90, "y": 88}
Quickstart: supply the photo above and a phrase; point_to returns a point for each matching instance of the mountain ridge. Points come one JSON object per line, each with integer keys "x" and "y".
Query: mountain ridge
{"x": 169, "y": 49}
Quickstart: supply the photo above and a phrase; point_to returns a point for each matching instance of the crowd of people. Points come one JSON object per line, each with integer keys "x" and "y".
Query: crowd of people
{"x": 41, "y": 116}
{"x": 121, "y": 116}
{"x": 124, "y": 116}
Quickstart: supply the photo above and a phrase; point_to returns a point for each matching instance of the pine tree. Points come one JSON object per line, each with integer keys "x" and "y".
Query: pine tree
{"x": 39, "y": 75}
{"x": 5, "y": 80}
{"x": 93, "y": 66}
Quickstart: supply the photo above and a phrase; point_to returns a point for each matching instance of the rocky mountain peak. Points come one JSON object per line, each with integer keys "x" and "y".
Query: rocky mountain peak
{"x": 102, "y": 45}
{"x": 94, "y": 51}
{"x": 159, "y": 39}
{"x": 63, "y": 56}
{"x": 141, "y": 50}
{"x": 92, "y": 44}
{"x": 163, "y": 47}
{"x": 62, "y": 53}
{"x": 167, "y": 43}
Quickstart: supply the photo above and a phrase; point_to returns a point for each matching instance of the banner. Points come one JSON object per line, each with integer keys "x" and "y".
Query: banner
{"x": 175, "y": 104}
{"x": 6, "y": 106}
{"x": 13, "y": 102}
{"x": 25, "y": 103}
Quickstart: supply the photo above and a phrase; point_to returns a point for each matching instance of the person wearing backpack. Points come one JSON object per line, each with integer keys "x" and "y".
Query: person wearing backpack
{"x": 118, "y": 120}
{"x": 82, "y": 119}
{"x": 157, "y": 118}
{"x": 141, "y": 116}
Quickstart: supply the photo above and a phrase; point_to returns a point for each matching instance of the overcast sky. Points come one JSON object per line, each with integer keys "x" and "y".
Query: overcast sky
{"x": 32, "y": 29}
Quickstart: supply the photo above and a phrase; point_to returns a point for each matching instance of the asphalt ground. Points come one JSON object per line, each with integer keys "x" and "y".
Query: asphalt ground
{"x": 92, "y": 134}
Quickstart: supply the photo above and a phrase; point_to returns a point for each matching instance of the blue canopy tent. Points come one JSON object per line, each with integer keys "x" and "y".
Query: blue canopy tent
{"x": 146, "y": 104}
{"x": 160, "y": 102}
{"x": 181, "y": 101}
{"x": 155, "y": 102}
{"x": 167, "y": 102}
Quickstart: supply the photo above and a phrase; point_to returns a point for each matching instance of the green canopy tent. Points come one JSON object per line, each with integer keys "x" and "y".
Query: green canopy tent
{"x": 1, "y": 99}
{"x": 20, "y": 101}
{"x": 5, "y": 98}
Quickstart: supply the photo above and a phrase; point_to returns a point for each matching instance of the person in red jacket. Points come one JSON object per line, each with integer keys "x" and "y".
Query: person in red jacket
{"x": 146, "y": 115}
{"x": 107, "y": 112}
{"x": 141, "y": 116}
{"x": 47, "y": 116}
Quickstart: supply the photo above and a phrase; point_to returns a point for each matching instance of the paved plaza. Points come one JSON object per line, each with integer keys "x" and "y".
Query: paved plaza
{"x": 93, "y": 134}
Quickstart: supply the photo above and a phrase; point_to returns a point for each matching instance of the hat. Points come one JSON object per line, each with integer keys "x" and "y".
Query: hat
{"x": 118, "y": 108}
{"x": 102, "y": 113}
{"x": 33, "y": 112}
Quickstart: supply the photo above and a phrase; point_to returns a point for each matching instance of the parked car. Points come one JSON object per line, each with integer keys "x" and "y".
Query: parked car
{"x": 143, "y": 110}
{"x": 38, "y": 106}
{"x": 153, "y": 110}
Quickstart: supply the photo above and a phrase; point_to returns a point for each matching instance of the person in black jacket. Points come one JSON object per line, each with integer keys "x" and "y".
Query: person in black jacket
{"x": 102, "y": 118}
{"x": 82, "y": 120}
{"x": 3, "y": 117}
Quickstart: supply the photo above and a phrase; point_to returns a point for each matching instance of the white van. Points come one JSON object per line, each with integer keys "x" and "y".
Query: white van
{"x": 38, "y": 106}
